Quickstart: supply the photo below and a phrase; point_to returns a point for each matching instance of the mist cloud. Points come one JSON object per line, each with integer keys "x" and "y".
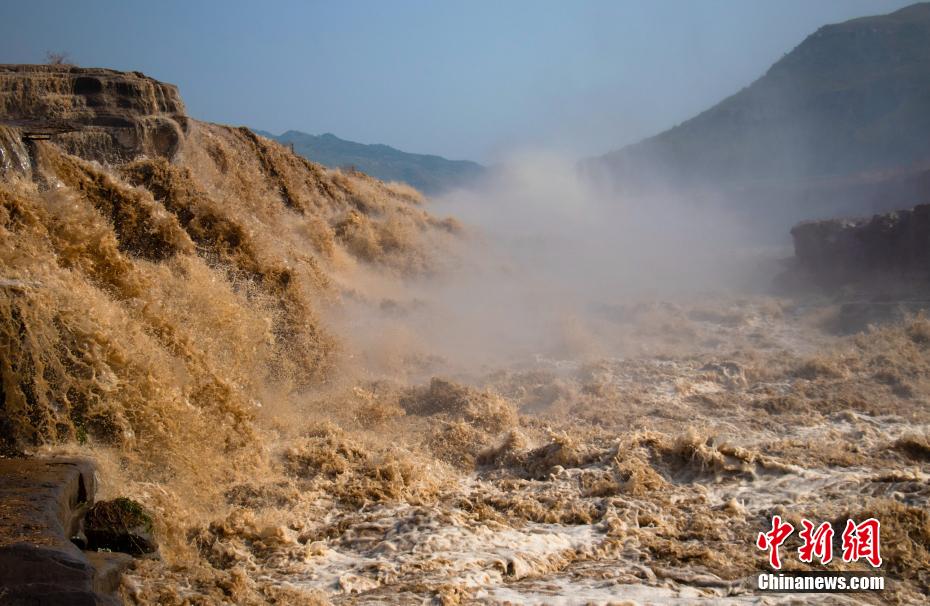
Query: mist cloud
{"x": 543, "y": 250}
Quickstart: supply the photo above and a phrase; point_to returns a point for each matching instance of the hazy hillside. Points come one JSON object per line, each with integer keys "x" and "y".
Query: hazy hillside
{"x": 852, "y": 97}
{"x": 429, "y": 174}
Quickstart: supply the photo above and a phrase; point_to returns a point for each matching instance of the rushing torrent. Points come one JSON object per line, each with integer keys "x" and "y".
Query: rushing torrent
{"x": 188, "y": 304}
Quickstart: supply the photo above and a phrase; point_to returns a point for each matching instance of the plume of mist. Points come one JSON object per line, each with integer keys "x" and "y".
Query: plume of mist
{"x": 544, "y": 250}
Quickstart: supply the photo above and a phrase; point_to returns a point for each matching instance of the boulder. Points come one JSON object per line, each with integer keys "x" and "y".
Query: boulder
{"x": 119, "y": 525}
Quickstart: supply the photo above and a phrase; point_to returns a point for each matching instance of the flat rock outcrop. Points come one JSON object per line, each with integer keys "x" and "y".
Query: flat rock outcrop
{"x": 98, "y": 114}
{"x": 42, "y": 502}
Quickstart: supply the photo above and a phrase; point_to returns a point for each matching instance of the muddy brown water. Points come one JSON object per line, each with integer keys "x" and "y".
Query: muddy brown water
{"x": 626, "y": 480}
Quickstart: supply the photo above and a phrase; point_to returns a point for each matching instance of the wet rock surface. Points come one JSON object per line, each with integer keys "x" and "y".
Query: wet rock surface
{"x": 98, "y": 114}
{"x": 42, "y": 504}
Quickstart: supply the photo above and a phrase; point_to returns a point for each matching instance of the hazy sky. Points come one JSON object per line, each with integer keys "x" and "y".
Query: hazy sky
{"x": 461, "y": 79}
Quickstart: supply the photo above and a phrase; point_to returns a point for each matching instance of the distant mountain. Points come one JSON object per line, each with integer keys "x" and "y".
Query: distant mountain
{"x": 850, "y": 102}
{"x": 429, "y": 174}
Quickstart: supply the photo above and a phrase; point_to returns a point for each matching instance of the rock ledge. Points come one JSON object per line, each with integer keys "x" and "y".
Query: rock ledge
{"x": 42, "y": 503}
{"x": 99, "y": 114}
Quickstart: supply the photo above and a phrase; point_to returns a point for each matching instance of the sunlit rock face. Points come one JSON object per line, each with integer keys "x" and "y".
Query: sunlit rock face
{"x": 98, "y": 114}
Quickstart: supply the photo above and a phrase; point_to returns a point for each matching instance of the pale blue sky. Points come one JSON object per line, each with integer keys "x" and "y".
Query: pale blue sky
{"x": 465, "y": 79}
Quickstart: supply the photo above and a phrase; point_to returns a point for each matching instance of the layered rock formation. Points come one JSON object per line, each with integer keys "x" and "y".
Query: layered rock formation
{"x": 97, "y": 114}
{"x": 841, "y": 251}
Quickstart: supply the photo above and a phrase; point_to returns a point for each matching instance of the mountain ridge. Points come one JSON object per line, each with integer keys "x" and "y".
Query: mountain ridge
{"x": 429, "y": 173}
{"x": 849, "y": 99}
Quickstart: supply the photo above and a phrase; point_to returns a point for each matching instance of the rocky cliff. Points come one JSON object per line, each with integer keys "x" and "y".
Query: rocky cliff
{"x": 98, "y": 114}
{"x": 840, "y": 251}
